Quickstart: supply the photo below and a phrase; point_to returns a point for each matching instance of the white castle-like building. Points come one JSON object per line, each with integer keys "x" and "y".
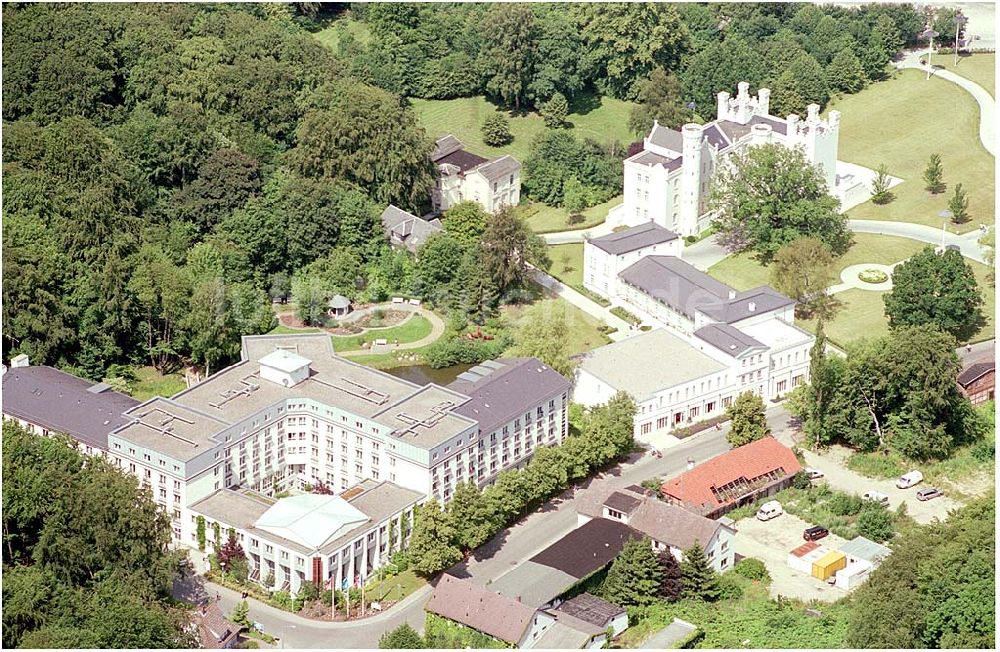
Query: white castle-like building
{"x": 668, "y": 182}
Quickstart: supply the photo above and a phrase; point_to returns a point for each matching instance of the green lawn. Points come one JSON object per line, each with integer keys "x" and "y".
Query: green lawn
{"x": 151, "y": 384}
{"x": 981, "y": 68}
{"x": 567, "y": 263}
{"x": 281, "y": 329}
{"x": 396, "y": 587}
{"x": 464, "y": 117}
{"x": 862, "y": 316}
{"x": 415, "y": 328}
{"x": 901, "y": 122}
{"x": 330, "y": 37}
{"x": 550, "y": 219}
{"x": 583, "y": 333}
{"x": 743, "y": 273}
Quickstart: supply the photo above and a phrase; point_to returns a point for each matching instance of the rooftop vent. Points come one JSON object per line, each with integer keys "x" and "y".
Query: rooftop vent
{"x": 284, "y": 367}
{"x": 752, "y": 307}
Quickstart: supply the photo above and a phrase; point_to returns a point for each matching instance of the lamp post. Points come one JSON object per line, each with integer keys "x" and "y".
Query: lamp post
{"x": 944, "y": 215}
{"x": 929, "y": 34}
{"x": 960, "y": 21}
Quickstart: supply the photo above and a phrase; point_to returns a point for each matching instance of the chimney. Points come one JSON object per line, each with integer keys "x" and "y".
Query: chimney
{"x": 752, "y": 307}
{"x": 20, "y": 361}
{"x": 690, "y": 464}
{"x": 732, "y": 294}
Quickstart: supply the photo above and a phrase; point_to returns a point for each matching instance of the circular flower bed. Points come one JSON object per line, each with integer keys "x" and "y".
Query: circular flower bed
{"x": 873, "y": 276}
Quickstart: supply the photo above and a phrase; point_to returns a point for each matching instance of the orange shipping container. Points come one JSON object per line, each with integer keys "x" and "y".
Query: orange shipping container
{"x": 829, "y": 564}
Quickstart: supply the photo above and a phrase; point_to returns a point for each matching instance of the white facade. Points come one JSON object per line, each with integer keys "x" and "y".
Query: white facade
{"x": 669, "y": 181}
{"x": 601, "y": 268}
{"x": 463, "y": 176}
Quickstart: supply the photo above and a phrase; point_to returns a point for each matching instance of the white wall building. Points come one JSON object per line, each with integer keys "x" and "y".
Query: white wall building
{"x": 464, "y": 176}
{"x": 605, "y": 257}
{"x": 669, "y": 527}
{"x": 332, "y": 541}
{"x": 668, "y": 182}
{"x": 292, "y": 412}
{"x": 720, "y": 343}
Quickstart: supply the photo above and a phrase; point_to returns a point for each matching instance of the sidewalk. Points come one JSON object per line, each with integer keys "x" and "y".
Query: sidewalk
{"x": 585, "y": 304}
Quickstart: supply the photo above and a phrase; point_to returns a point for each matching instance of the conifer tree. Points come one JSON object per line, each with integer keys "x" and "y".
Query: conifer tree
{"x": 934, "y": 175}
{"x": 959, "y": 206}
{"x": 672, "y": 586}
{"x": 698, "y": 578}
{"x": 635, "y": 576}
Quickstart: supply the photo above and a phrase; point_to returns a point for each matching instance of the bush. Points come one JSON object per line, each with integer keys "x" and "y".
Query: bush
{"x": 875, "y": 523}
{"x": 752, "y": 569}
{"x": 284, "y": 600}
{"x": 984, "y": 451}
{"x": 308, "y": 592}
{"x": 730, "y": 587}
{"x": 621, "y": 313}
{"x": 845, "y": 504}
{"x": 801, "y": 480}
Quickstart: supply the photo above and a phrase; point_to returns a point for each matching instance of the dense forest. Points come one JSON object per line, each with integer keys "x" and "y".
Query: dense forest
{"x": 86, "y": 559}
{"x": 172, "y": 168}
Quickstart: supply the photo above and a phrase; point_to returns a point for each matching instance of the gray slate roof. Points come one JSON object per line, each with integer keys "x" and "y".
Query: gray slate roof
{"x": 633, "y": 239}
{"x": 445, "y": 145}
{"x": 64, "y": 403}
{"x": 564, "y": 635}
{"x": 728, "y": 339}
{"x": 499, "y": 168}
{"x": 407, "y": 229}
{"x": 673, "y": 282}
{"x": 666, "y": 137}
{"x": 652, "y": 158}
{"x": 503, "y": 389}
{"x": 534, "y": 584}
{"x": 975, "y": 371}
{"x": 763, "y": 299}
{"x": 622, "y": 502}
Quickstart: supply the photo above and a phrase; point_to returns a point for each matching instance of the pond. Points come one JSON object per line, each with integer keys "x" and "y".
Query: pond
{"x": 422, "y": 374}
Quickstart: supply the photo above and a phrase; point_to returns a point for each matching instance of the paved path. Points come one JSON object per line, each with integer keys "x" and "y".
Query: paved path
{"x": 669, "y": 636}
{"x": 987, "y": 105}
{"x": 584, "y": 303}
{"x": 579, "y": 235}
{"x": 850, "y": 280}
{"x": 704, "y": 253}
{"x": 978, "y": 352}
{"x": 967, "y": 242}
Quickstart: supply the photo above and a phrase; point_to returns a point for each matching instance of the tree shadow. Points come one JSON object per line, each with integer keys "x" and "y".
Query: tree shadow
{"x": 584, "y": 102}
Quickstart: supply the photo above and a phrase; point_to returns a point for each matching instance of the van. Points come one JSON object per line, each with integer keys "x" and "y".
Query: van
{"x": 770, "y": 509}
{"x": 876, "y": 497}
{"x": 907, "y": 480}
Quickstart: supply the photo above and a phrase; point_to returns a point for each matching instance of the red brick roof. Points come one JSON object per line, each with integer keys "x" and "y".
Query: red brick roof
{"x": 755, "y": 459}
{"x": 805, "y": 548}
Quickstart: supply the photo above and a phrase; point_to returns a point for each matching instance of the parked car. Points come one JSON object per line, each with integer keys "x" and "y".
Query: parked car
{"x": 814, "y": 474}
{"x": 907, "y": 480}
{"x": 815, "y": 532}
{"x": 929, "y": 494}
{"x": 876, "y": 497}
{"x": 770, "y": 509}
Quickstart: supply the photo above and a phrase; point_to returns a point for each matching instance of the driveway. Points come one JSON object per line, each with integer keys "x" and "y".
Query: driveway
{"x": 833, "y": 463}
{"x": 771, "y": 541}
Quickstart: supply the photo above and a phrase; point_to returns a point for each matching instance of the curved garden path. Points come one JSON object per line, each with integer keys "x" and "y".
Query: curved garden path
{"x": 987, "y": 105}
{"x": 437, "y": 329}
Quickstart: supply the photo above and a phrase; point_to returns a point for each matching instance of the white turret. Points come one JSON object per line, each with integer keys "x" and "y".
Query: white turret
{"x": 691, "y": 165}
{"x": 763, "y": 101}
{"x": 818, "y": 140}
{"x": 760, "y": 134}
{"x": 743, "y": 107}
{"x": 793, "y": 125}
{"x": 723, "y": 105}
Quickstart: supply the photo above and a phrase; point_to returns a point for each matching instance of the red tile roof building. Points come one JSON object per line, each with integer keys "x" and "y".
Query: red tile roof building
{"x": 739, "y": 477}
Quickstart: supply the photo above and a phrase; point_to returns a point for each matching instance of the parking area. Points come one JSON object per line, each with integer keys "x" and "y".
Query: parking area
{"x": 838, "y": 476}
{"x": 771, "y": 541}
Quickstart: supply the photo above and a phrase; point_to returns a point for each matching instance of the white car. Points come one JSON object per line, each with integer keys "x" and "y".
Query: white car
{"x": 910, "y": 479}
{"x": 876, "y": 497}
{"x": 770, "y": 509}
{"x": 813, "y": 473}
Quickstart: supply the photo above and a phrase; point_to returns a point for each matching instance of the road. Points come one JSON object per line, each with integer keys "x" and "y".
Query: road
{"x": 498, "y": 556}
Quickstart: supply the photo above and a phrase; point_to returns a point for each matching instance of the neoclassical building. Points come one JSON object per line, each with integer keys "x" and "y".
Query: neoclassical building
{"x": 668, "y": 182}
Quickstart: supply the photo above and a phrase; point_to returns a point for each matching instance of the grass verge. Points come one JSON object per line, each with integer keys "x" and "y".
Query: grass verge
{"x": 413, "y": 329}
{"x": 552, "y": 219}
{"x": 150, "y": 383}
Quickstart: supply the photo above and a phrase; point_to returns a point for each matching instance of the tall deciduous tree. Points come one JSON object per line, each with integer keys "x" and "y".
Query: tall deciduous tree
{"x": 544, "y": 336}
{"x": 310, "y": 297}
{"x": 844, "y": 73}
{"x": 771, "y": 195}
{"x": 465, "y": 222}
{"x": 433, "y": 542}
{"x": 625, "y": 42}
{"x": 365, "y": 135}
{"x": 509, "y": 52}
{"x": 939, "y": 289}
{"x": 468, "y": 511}
{"x": 748, "y": 421}
{"x": 507, "y": 247}
{"x": 660, "y": 98}
{"x": 635, "y": 576}
{"x": 802, "y": 269}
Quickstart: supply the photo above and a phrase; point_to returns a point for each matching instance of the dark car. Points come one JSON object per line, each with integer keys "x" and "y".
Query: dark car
{"x": 815, "y": 532}
{"x": 928, "y": 494}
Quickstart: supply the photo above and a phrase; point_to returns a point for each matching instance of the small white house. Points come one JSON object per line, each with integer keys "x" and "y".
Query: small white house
{"x": 464, "y": 176}
{"x": 606, "y": 256}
